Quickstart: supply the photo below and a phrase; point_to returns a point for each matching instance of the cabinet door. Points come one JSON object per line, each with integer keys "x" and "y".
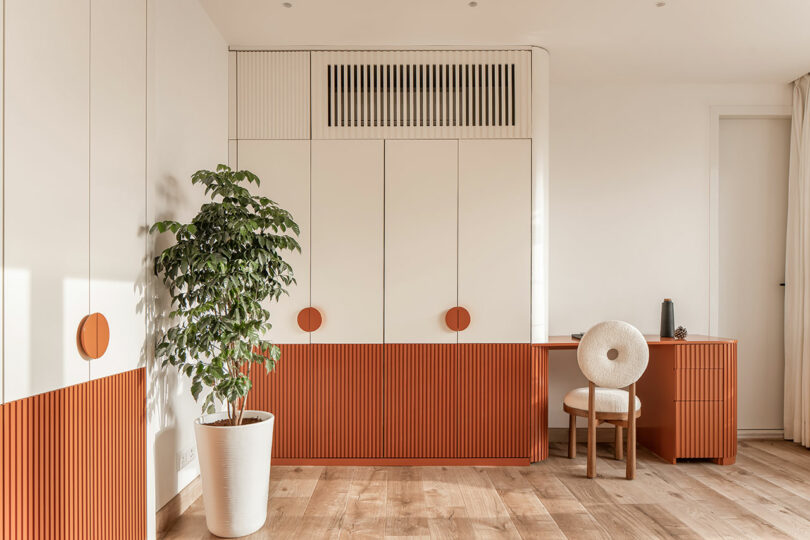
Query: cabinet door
{"x": 421, "y": 183}
{"x": 283, "y": 168}
{"x": 347, "y": 240}
{"x": 287, "y": 393}
{"x": 421, "y": 404}
{"x": 347, "y": 401}
{"x": 493, "y": 400}
{"x": 118, "y": 180}
{"x": 494, "y": 240}
{"x": 46, "y": 194}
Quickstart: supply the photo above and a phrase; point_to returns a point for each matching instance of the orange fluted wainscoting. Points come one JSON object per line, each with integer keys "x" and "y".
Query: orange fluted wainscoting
{"x": 74, "y": 462}
{"x": 399, "y": 404}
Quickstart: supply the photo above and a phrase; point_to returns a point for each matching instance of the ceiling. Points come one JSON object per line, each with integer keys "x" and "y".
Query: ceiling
{"x": 751, "y": 41}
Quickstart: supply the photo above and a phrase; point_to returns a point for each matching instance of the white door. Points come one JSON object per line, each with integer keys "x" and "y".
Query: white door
{"x": 347, "y": 240}
{"x": 283, "y": 168}
{"x": 754, "y": 156}
{"x": 494, "y": 240}
{"x": 118, "y": 181}
{"x": 421, "y": 226}
{"x": 46, "y": 194}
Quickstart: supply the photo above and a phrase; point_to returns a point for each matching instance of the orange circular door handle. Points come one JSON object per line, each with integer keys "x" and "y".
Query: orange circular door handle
{"x": 94, "y": 335}
{"x": 457, "y": 319}
{"x": 309, "y": 319}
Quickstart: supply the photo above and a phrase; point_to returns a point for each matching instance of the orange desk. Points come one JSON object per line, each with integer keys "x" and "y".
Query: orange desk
{"x": 688, "y": 395}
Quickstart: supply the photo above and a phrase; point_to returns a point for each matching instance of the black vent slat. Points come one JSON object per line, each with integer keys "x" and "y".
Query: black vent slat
{"x": 418, "y": 95}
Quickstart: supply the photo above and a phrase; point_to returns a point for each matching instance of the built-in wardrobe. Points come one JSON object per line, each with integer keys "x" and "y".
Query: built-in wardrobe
{"x": 72, "y": 413}
{"x": 412, "y": 176}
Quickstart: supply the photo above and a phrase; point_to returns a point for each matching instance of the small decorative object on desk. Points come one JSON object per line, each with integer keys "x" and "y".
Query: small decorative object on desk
{"x": 681, "y": 333}
{"x": 667, "y": 318}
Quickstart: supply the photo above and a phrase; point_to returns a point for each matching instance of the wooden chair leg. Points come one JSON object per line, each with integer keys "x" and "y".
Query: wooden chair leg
{"x": 631, "y": 434}
{"x": 591, "y": 468}
{"x": 618, "y": 449}
{"x": 572, "y": 436}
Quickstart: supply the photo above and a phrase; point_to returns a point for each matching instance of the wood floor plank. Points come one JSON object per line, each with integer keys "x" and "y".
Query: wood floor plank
{"x": 365, "y": 506}
{"x": 530, "y": 517}
{"x": 757, "y": 503}
{"x": 405, "y": 509}
{"x": 764, "y": 495}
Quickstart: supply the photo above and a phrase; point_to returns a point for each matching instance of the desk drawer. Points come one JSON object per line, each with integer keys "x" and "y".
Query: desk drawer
{"x": 704, "y": 355}
{"x": 698, "y": 384}
{"x": 699, "y": 432}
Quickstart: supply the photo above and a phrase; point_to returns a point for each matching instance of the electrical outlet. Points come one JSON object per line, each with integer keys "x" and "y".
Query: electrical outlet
{"x": 185, "y": 457}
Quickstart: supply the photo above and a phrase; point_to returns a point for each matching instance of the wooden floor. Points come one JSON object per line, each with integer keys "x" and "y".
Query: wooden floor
{"x": 765, "y": 495}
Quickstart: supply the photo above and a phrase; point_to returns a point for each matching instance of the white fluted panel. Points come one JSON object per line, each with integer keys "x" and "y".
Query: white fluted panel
{"x": 272, "y": 95}
{"x": 421, "y": 94}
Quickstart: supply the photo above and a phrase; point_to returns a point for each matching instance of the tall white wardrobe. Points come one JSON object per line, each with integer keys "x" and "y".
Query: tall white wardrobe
{"x": 411, "y": 177}
{"x": 414, "y": 178}
{"x": 74, "y": 209}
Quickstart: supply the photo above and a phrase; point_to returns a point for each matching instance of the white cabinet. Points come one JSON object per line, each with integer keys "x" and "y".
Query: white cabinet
{"x": 118, "y": 180}
{"x": 347, "y": 240}
{"x": 421, "y": 199}
{"x": 46, "y": 196}
{"x": 283, "y": 168}
{"x": 494, "y": 240}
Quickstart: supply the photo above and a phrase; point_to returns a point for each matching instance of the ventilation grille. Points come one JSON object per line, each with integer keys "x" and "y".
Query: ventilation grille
{"x": 420, "y": 95}
{"x": 430, "y": 94}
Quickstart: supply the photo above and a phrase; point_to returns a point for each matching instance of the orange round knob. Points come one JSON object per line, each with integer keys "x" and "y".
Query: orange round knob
{"x": 309, "y": 319}
{"x": 457, "y": 319}
{"x": 94, "y": 335}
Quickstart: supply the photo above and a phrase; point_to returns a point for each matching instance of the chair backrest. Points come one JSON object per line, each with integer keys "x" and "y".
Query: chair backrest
{"x": 613, "y": 354}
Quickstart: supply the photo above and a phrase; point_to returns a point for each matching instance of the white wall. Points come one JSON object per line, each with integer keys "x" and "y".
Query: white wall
{"x": 629, "y": 208}
{"x": 188, "y": 124}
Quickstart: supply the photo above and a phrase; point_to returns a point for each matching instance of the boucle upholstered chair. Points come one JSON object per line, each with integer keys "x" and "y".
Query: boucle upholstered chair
{"x": 611, "y": 355}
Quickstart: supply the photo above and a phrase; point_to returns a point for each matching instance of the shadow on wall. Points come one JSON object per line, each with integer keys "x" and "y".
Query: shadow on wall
{"x": 164, "y": 383}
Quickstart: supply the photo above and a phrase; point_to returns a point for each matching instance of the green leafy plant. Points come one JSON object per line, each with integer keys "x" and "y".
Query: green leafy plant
{"x": 223, "y": 266}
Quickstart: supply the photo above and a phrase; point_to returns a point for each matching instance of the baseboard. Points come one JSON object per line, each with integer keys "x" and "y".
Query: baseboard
{"x": 743, "y": 434}
{"x": 603, "y": 435}
{"x": 173, "y": 509}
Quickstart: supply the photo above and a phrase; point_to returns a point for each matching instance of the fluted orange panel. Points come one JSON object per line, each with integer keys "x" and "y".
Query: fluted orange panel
{"x": 699, "y": 384}
{"x": 74, "y": 461}
{"x": 421, "y": 419}
{"x": 538, "y": 435}
{"x": 287, "y": 393}
{"x": 347, "y": 392}
{"x": 730, "y": 404}
{"x": 45, "y": 466}
{"x": 699, "y": 426}
{"x": 702, "y": 355}
{"x": 493, "y": 400}
{"x": 118, "y": 456}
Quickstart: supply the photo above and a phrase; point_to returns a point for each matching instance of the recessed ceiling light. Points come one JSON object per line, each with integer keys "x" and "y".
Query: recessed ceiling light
{"x": 472, "y": 4}
{"x": 287, "y": 4}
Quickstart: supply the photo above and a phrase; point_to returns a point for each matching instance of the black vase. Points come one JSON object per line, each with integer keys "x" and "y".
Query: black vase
{"x": 667, "y": 318}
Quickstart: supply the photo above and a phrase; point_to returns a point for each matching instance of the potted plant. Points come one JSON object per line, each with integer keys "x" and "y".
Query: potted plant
{"x": 225, "y": 265}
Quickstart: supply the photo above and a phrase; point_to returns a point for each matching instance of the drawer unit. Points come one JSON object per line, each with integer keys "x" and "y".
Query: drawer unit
{"x": 689, "y": 401}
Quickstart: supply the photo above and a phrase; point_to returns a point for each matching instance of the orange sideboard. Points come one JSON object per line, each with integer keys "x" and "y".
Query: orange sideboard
{"x": 73, "y": 461}
{"x": 399, "y": 403}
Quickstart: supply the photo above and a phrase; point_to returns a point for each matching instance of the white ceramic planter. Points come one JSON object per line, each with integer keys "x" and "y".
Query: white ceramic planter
{"x": 235, "y": 471}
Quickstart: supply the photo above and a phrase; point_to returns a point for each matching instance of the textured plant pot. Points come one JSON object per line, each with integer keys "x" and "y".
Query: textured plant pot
{"x": 235, "y": 471}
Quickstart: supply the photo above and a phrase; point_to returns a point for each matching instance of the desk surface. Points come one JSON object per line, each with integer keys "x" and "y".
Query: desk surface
{"x": 567, "y": 342}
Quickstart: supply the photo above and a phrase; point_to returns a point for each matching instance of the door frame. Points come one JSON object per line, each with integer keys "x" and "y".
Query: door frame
{"x": 716, "y": 114}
